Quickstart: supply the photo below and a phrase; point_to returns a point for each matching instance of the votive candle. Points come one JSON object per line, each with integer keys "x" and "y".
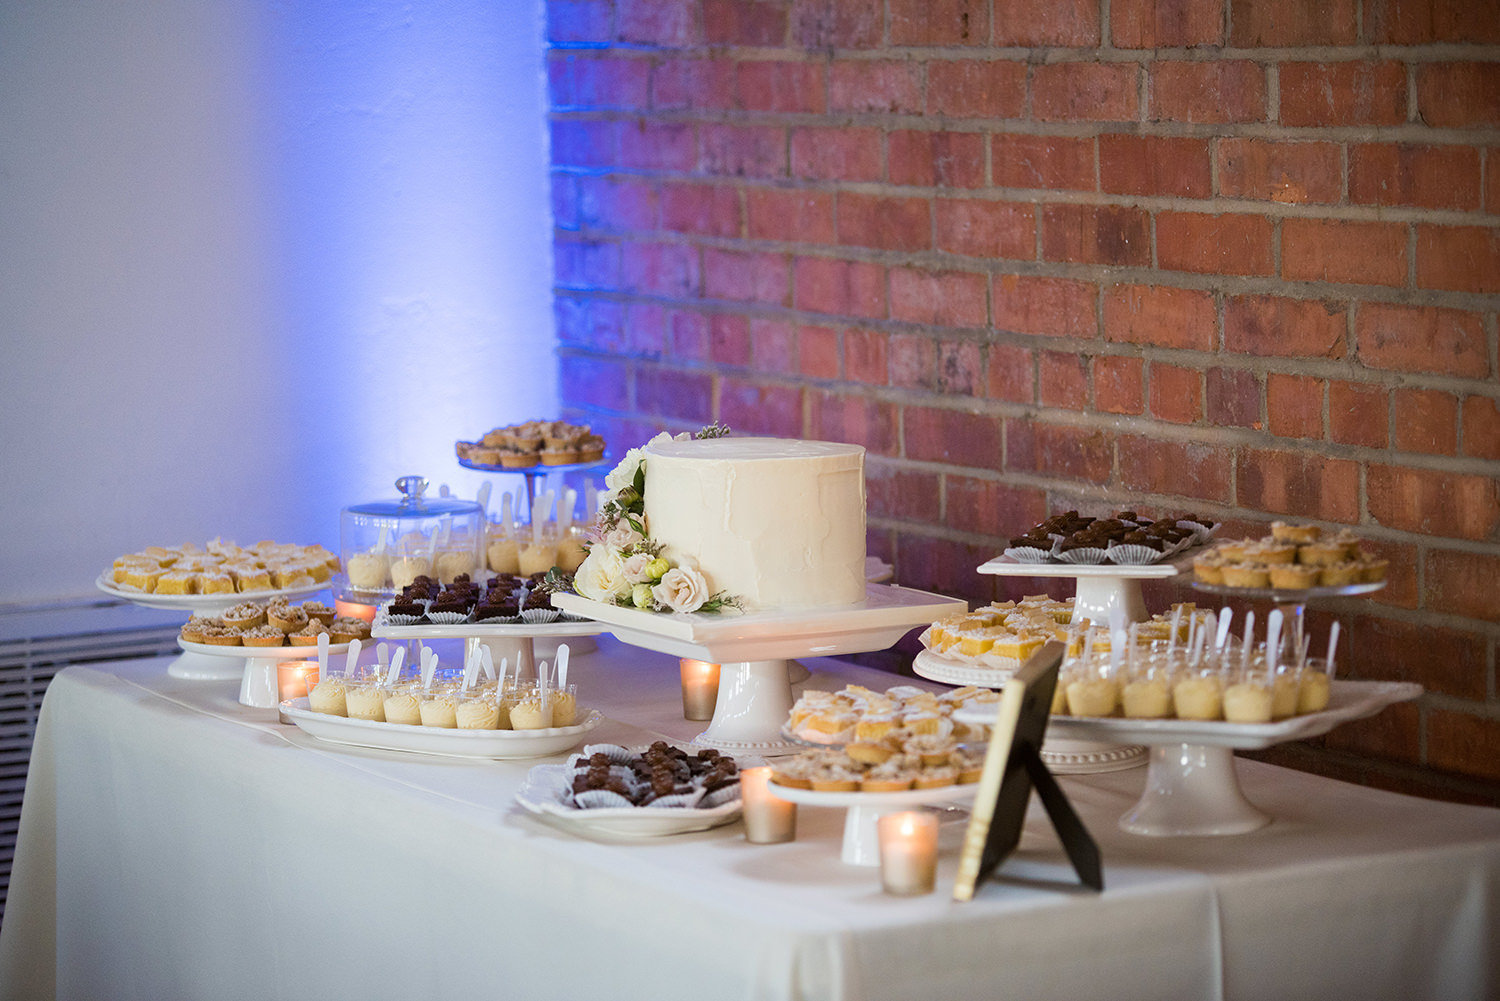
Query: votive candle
{"x": 294, "y": 679}
{"x": 908, "y": 852}
{"x": 700, "y": 688}
{"x": 769, "y": 819}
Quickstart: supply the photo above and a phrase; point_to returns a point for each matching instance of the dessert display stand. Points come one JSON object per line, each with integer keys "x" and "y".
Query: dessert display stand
{"x": 861, "y": 844}
{"x": 538, "y": 473}
{"x": 197, "y": 662}
{"x": 753, "y": 649}
{"x": 1192, "y": 788}
{"x": 1293, "y": 603}
{"x": 515, "y": 642}
{"x": 256, "y": 666}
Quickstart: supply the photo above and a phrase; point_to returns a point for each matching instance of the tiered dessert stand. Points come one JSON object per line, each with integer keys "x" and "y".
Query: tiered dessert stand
{"x": 512, "y": 642}
{"x": 755, "y": 693}
{"x": 538, "y": 473}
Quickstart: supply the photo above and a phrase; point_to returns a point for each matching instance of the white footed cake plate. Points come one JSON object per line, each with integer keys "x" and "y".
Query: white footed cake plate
{"x": 861, "y": 846}
{"x": 254, "y": 666}
{"x": 544, "y": 794}
{"x": 489, "y": 744}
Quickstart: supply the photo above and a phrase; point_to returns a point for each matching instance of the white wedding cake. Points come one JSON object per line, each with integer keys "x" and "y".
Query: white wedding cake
{"x": 775, "y": 522}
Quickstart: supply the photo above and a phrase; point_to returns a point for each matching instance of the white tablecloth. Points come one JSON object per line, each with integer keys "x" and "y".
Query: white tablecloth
{"x": 175, "y": 844}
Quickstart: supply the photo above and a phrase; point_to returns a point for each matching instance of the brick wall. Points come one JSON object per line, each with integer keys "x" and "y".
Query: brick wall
{"x": 1234, "y": 257}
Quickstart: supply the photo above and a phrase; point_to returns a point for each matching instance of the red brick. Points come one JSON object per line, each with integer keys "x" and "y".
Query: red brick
{"x": 679, "y": 83}
{"x": 1154, "y": 165}
{"x": 1358, "y": 414}
{"x": 684, "y": 395}
{"x": 618, "y": 204}
{"x": 888, "y": 86}
{"x": 1063, "y": 380}
{"x": 913, "y": 361}
{"x": 884, "y": 223}
{"x": 1392, "y": 735}
{"x": 575, "y": 324}
{"x": 598, "y": 82}
{"x": 837, "y": 24}
{"x": 1176, "y": 393}
{"x": 1012, "y": 374}
{"x": 1165, "y": 24}
{"x": 601, "y": 381}
{"x": 1345, "y": 93}
{"x": 746, "y": 277}
{"x": 939, "y": 298}
{"x": 936, "y": 159}
{"x": 1331, "y": 250}
{"x": 791, "y": 215}
{"x": 1046, "y": 162}
{"x": 985, "y": 229}
{"x": 1459, "y": 95}
{"x": 848, "y": 288}
{"x": 1482, "y": 427}
{"x": 1085, "y": 92}
{"x": 657, "y": 145}
{"x": 1459, "y": 258}
{"x": 780, "y": 86}
{"x": 1434, "y": 177}
{"x": 952, "y": 436}
{"x": 1287, "y": 172}
{"x": 758, "y": 408}
{"x": 773, "y": 347}
{"x": 666, "y": 23}
{"x": 582, "y": 143}
{"x": 1057, "y": 307}
{"x": 1271, "y": 325}
{"x": 1232, "y": 396}
{"x": 1031, "y": 23}
{"x": 819, "y": 352}
{"x": 1183, "y": 469}
{"x": 958, "y": 367}
{"x": 1426, "y": 421}
{"x": 1160, "y": 315}
{"x": 1441, "y": 660}
{"x": 1298, "y": 483}
{"x": 586, "y": 263}
{"x": 1075, "y": 453}
{"x": 1460, "y": 583}
{"x": 1292, "y": 23}
{"x": 1422, "y": 339}
{"x": 970, "y": 88}
{"x": 895, "y": 493}
{"x": 1492, "y": 180}
{"x": 1096, "y": 234}
{"x": 744, "y": 22}
{"x": 728, "y": 339}
{"x": 1294, "y": 405}
{"x": 1230, "y": 91}
{"x": 855, "y": 418}
{"x": 687, "y": 335}
{"x": 645, "y": 329}
{"x": 1214, "y": 244}
{"x": 1433, "y": 502}
{"x": 865, "y": 357}
{"x": 990, "y": 508}
{"x": 703, "y": 209}
{"x": 1119, "y": 384}
{"x": 1463, "y": 743}
{"x": 939, "y": 22}
{"x": 564, "y": 197}
{"x": 743, "y": 151}
{"x": 1401, "y": 588}
{"x": 1419, "y": 22}
{"x": 944, "y": 566}
{"x": 580, "y": 20}
{"x": 835, "y": 154}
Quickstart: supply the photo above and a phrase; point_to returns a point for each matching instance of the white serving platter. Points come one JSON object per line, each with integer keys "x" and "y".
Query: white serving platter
{"x": 488, "y": 744}
{"x": 544, "y": 793}
{"x": 283, "y": 652}
{"x": 206, "y": 603}
{"x": 861, "y": 845}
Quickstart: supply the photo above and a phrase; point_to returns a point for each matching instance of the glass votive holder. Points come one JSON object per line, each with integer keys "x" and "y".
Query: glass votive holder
{"x": 908, "y": 852}
{"x": 769, "y": 820}
{"x": 294, "y": 679}
{"x": 700, "y": 688}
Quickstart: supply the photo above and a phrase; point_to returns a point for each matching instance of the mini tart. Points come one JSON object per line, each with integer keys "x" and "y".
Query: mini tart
{"x": 246, "y": 615}
{"x": 264, "y": 636}
{"x": 1372, "y": 571}
{"x": 936, "y": 777}
{"x": 1293, "y": 576}
{"x": 318, "y": 610}
{"x": 308, "y": 634}
{"x": 195, "y": 629}
{"x": 558, "y": 456}
{"x": 484, "y": 455}
{"x": 287, "y": 618}
{"x": 1246, "y": 575}
{"x": 789, "y": 775}
{"x": 221, "y": 636}
{"x": 1275, "y": 552}
{"x": 1340, "y": 574}
{"x": 1322, "y": 553}
{"x": 518, "y": 459}
{"x": 868, "y": 753}
{"x": 1207, "y": 570}
{"x": 885, "y": 783}
{"x": 346, "y": 628}
{"x": 1299, "y": 534}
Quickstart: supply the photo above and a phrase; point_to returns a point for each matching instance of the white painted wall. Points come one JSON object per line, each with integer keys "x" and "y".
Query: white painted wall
{"x": 256, "y": 261}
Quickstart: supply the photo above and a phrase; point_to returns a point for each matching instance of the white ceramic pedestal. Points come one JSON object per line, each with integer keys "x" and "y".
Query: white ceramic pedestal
{"x": 755, "y": 699}
{"x": 1192, "y": 789}
{"x": 516, "y": 643}
{"x": 258, "y": 683}
{"x": 202, "y": 667}
{"x": 861, "y": 845}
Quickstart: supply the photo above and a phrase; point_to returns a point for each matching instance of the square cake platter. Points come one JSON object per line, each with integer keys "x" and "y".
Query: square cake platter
{"x": 887, "y": 613}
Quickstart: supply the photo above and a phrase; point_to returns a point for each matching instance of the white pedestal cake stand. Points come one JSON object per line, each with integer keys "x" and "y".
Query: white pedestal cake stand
{"x": 861, "y": 845}
{"x": 193, "y": 665}
{"x": 256, "y": 666}
{"x": 514, "y": 642}
{"x": 755, "y": 694}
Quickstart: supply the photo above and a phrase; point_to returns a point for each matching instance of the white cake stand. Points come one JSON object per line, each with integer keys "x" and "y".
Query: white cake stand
{"x": 192, "y": 665}
{"x": 1191, "y": 785}
{"x": 255, "y": 666}
{"x": 755, "y": 694}
{"x": 1103, "y": 590}
{"x": 515, "y": 642}
{"x": 862, "y": 809}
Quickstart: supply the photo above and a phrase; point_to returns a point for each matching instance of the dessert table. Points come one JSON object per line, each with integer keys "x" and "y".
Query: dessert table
{"x": 177, "y": 844}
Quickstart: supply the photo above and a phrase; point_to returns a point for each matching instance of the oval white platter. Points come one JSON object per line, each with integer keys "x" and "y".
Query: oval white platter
{"x": 951, "y": 671}
{"x": 202, "y": 602}
{"x": 883, "y": 800}
{"x": 489, "y": 744}
{"x": 283, "y": 652}
{"x": 543, "y": 793}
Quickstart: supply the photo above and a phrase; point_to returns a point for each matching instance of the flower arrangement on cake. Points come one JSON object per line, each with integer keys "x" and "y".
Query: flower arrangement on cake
{"x": 623, "y": 566}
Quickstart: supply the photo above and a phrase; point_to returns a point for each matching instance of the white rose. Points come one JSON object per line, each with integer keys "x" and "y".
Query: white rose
{"x": 623, "y": 475}
{"x": 601, "y": 575}
{"x": 622, "y": 536}
{"x": 682, "y": 590}
{"x": 635, "y": 568}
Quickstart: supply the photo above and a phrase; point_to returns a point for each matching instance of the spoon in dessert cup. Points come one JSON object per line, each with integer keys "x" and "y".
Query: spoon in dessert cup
{"x": 382, "y": 658}
{"x": 1273, "y": 640}
{"x": 429, "y": 668}
{"x": 1226, "y": 616}
{"x": 471, "y": 671}
{"x": 394, "y": 671}
{"x": 352, "y": 658}
{"x": 562, "y": 666}
{"x": 322, "y": 655}
{"x": 1333, "y": 643}
{"x": 1247, "y": 645}
{"x": 482, "y": 498}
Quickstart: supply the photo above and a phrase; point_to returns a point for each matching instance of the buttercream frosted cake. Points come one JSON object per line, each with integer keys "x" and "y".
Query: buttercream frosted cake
{"x": 776, "y": 522}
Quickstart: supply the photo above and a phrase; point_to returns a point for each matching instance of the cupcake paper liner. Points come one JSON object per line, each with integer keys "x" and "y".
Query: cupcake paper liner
{"x": 720, "y": 796}
{"x": 539, "y": 616}
{"x": 1083, "y": 557}
{"x": 1134, "y": 555}
{"x": 1028, "y": 554}
{"x": 598, "y": 799}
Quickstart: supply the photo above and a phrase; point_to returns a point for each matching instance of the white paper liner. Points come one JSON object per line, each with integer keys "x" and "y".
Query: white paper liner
{"x": 504, "y": 620}
{"x": 600, "y": 799}
{"x": 720, "y": 796}
{"x": 1082, "y": 557}
{"x": 1135, "y": 555}
{"x": 676, "y": 801}
{"x": 1026, "y": 554}
{"x": 538, "y": 616}
{"x": 1201, "y": 532}
{"x": 447, "y": 618}
{"x": 616, "y": 753}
